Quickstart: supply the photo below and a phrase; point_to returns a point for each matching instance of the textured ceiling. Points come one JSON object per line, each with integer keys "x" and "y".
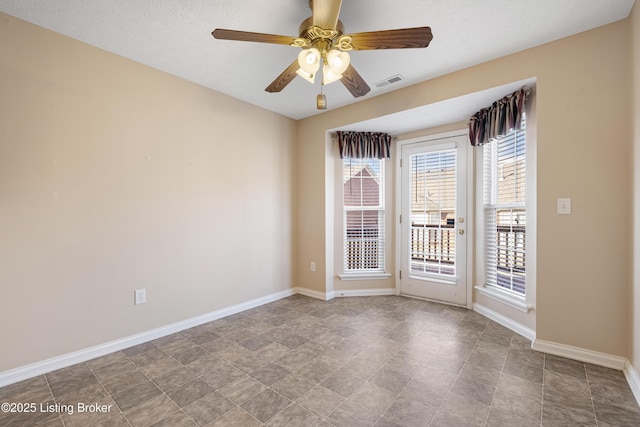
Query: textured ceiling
{"x": 175, "y": 36}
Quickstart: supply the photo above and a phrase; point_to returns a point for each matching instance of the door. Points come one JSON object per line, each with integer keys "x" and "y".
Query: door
{"x": 433, "y": 212}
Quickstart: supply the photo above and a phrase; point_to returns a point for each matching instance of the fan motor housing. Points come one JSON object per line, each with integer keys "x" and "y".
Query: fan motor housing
{"x": 307, "y": 30}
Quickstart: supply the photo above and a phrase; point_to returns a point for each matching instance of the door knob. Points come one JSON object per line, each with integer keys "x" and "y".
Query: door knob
{"x": 460, "y": 231}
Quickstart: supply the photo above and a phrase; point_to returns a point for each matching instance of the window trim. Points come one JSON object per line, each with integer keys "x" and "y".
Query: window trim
{"x": 356, "y": 275}
{"x": 506, "y": 297}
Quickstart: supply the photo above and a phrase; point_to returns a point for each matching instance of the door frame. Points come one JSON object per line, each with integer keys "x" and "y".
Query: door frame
{"x": 470, "y": 216}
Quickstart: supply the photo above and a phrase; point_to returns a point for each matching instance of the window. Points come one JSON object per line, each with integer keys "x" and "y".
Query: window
{"x": 363, "y": 216}
{"x": 433, "y": 205}
{"x": 505, "y": 217}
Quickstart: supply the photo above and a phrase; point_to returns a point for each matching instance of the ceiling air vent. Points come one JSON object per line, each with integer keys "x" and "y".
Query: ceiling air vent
{"x": 390, "y": 80}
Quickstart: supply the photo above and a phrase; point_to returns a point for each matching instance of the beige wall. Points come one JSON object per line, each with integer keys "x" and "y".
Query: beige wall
{"x": 635, "y": 257}
{"x": 113, "y": 177}
{"x": 583, "y": 136}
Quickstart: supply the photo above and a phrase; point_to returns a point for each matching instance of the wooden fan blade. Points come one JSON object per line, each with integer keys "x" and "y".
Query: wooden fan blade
{"x": 284, "y": 78}
{"x": 325, "y": 13}
{"x": 392, "y": 39}
{"x": 246, "y": 36}
{"x": 354, "y": 82}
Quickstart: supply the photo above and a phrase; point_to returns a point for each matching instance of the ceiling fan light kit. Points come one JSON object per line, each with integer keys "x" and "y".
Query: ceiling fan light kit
{"x": 323, "y": 42}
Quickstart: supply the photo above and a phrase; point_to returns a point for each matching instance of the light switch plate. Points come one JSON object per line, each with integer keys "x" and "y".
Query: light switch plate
{"x": 564, "y": 206}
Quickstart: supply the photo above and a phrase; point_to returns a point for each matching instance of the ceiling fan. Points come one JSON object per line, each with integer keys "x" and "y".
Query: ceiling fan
{"x": 324, "y": 43}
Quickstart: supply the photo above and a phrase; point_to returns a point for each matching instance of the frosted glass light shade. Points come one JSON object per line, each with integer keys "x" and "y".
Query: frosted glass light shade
{"x": 310, "y": 77}
{"x": 328, "y": 76}
{"x": 309, "y": 60}
{"x": 338, "y": 61}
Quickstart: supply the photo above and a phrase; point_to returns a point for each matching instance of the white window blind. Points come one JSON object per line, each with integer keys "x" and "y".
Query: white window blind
{"x": 364, "y": 216}
{"x": 504, "y": 211}
{"x": 433, "y": 205}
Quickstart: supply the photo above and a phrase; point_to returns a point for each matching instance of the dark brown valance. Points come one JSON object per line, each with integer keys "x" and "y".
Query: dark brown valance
{"x": 364, "y": 145}
{"x": 504, "y": 116}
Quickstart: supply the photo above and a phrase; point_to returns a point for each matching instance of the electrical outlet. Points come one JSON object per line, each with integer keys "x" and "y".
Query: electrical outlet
{"x": 140, "y": 296}
{"x": 313, "y": 266}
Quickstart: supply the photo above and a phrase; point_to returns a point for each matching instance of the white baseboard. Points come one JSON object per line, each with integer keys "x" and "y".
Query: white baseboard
{"x": 633, "y": 379}
{"x": 315, "y": 294}
{"x": 570, "y": 352}
{"x": 365, "y": 292}
{"x": 55, "y": 363}
{"x": 508, "y": 323}
{"x": 580, "y": 354}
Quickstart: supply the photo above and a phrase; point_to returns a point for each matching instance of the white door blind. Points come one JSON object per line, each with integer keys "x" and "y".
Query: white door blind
{"x": 504, "y": 211}
{"x": 364, "y": 217}
{"x": 433, "y": 204}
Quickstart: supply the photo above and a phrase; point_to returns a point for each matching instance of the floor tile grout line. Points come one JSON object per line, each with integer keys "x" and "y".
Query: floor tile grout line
{"x": 366, "y": 380}
{"x": 318, "y": 384}
{"x": 475, "y": 344}
{"x": 146, "y": 376}
{"x": 105, "y": 389}
{"x": 544, "y": 373}
{"x": 200, "y": 378}
{"x": 152, "y": 382}
{"x": 504, "y": 364}
{"x": 46, "y": 380}
{"x": 269, "y": 387}
{"x": 375, "y": 373}
{"x": 593, "y": 405}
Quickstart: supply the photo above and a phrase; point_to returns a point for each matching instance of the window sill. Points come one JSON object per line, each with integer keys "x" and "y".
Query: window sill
{"x": 364, "y": 276}
{"x": 506, "y": 298}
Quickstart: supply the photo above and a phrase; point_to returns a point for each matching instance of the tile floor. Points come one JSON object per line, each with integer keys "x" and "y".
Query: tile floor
{"x": 370, "y": 361}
